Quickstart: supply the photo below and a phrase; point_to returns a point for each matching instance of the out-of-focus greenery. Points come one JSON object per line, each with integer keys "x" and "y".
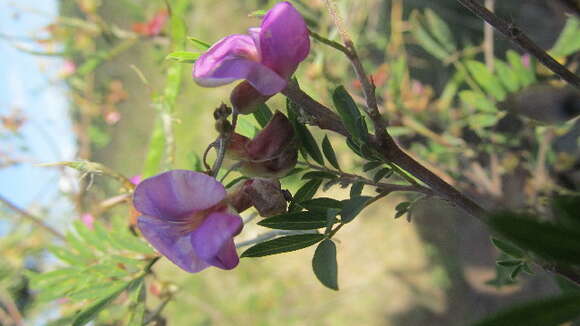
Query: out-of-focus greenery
{"x": 445, "y": 105}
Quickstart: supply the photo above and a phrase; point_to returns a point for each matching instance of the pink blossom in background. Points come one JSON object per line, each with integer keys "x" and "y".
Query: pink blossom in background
{"x": 526, "y": 60}
{"x": 88, "y": 220}
{"x": 154, "y": 26}
{"x": 136, "y": 179}
{"x": 68, "y": 68}
{"x": 185, "y": 217}
{"x": 265, "y": 57}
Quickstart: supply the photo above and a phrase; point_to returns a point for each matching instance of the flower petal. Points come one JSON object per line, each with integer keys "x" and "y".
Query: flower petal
{"x": 171, "y": 243}
{"x": 284, "y": 40}
{"x": 177, "y": 193}
{"x": 236, "y": 57}
{"x": 213, "y": 240}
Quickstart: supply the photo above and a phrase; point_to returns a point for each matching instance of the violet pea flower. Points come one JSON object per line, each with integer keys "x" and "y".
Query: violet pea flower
{"x": 266, "y": 58}
{"x": 185, "y": 217}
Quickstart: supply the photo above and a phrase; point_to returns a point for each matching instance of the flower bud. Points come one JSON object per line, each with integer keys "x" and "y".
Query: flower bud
{"x": 246, "y": 99}
{"x": 271, "y": 154}
{"x": 265, "y": 195}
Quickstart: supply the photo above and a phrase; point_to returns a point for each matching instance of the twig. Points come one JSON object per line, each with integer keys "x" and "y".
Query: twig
{"x": 368, "y": 86}
{"x": 270, "y": 235}
{"x": 322, "y": 116}
{"x": 36, "y": 220}
{"x": 518, "y": 37}
{"x": 488, "y": 44}
{"x": 385, "y": 188}
{"x": 326, "y": 119}
{"x": 12, "y": 309}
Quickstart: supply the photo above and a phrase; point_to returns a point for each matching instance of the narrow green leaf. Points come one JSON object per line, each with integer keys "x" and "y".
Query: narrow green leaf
{"x": 508, "y": 248}
{"x": 425, "y": 40}
{"x": 66, "y": 256}
{"x": 569, "y": 40}
{"x": 127, "y": 241}
{"x": 507, "y": 76}
{"x": 371, "y": 166}
{"x": 404, "y": 206}
{"x": 329, "y": 152}
{"x": 94, "y": 309}
{"x": 183, "y": 56}
{"x": 350, "y": 114}
{"x": 89, "y": 236}
{"x": 381, "y": 174}
{"x": 324, "y": 264}
{"x": 352, "y": 207}
{"x": 137, "y": 308}
{"x": 477, "y": 101}
{"x": 319, "y": 175}
{"x": 440, "y": 30}
{"x": 515, "y": 272}
{"x": 97, "y": 292}
{"x": 283, "y": 244}
{"x": 295, "y": 221}
{"x": 546, "y": 312}
{"x": 155, "y": 150}
{"x": 308, "y": 143}
{"x": 508, "y": 263}
{"x": 201, "y": 45}
{"x": 305, "y": 192}
{"x": 321, "y": 204}
{"x": 354, "y": 147}
{"x": 545, "y": 239}
{"x": 486, "y": 79}
{"x": 263, "y": 115}
{"x": 356, "y": 189}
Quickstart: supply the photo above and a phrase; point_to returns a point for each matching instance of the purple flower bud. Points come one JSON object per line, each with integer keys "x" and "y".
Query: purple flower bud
{"x": 183, "y": 215}
{"x": 264, "y": 194}
{"x": 266, "y": 58}
{"x": 271, "y": 154}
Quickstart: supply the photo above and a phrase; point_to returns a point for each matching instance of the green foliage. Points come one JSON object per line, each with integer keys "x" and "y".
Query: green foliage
{"x": 324, "y": 264}
{"x": 263, "y": 115}
{"x": 183, "y": 56}
{"x": 352, "y": 207}
{"x": 283, "y": 244}
{"x": 329, "y": 153}
{"x": 433, "y": 34}
{"x": 350, "y": 114}
{"x": 568, "y": 42}
{"x": 308, "y": 147}
{"x": 305, "y": 193}
{"x": 296, "y": 221}
{"x": 544, "y": 239}
{"x": 100, "y": 265}
{"x": 546, "y": 312}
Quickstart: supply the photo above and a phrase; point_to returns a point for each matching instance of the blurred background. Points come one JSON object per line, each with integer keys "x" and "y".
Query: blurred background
{"x": 80, "y": 80}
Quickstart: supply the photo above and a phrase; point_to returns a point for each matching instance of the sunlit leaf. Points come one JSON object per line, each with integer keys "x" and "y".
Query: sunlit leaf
{"x": 486, "y": 79}
{"x": 350, "y": 114}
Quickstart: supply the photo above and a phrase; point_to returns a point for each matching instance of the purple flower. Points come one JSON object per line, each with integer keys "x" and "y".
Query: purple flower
{"x": 266, "y": 58}
{"x": 184, "y": 216}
